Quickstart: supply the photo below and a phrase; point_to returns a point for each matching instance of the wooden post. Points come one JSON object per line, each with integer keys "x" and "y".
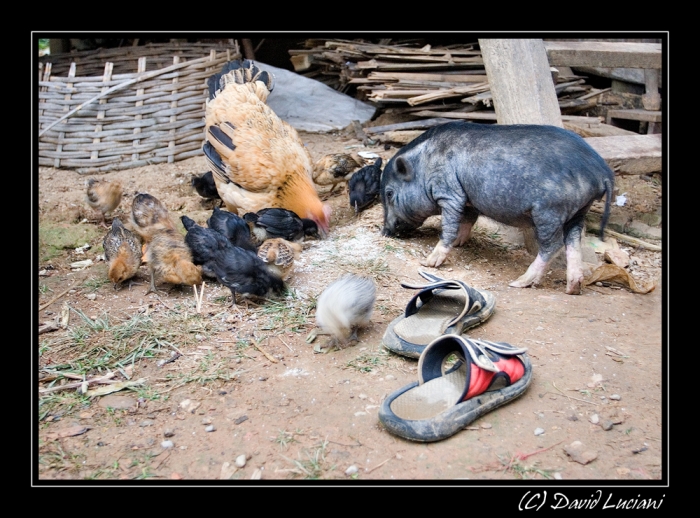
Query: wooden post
{"x": 521, "y": 82}
{"x": 522, "y": 89}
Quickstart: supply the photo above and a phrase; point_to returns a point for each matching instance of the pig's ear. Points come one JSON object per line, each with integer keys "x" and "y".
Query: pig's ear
{"x": 404, "y": 169}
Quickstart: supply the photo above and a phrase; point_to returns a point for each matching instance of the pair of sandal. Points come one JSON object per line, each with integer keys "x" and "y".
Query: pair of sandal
{"x": 459, "y": 378}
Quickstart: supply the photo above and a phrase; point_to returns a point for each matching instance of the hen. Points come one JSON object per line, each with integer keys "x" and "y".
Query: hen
{"x": 334, "y": 169}
{"x": 122, "y": 252}
{"x": 103, "y": 196}
{"x": 279, "y": 256}
{"x": 238, "y": 269}
{"x": 234, "y": 227}
{"x": 363, "y": 187}
{"x": 170, "y": 260}
{"x": 258, "y": 160}
{"x": 275, "y": 222}
{"x": 345, "y": 306}
{"x": 205, "y": 186}
{"x": 149, "y": 216}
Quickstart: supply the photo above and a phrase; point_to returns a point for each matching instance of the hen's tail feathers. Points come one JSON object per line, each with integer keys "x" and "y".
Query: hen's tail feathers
{"x": 239, "y": 72}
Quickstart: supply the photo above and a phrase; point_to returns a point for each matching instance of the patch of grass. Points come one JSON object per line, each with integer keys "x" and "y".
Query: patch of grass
{"x": 284, "y": 438}
{"x": 313, "y": 467}
{"x": 95, "y": 283}
{"x": 55, "y": 238}
{"x": 369, "y": 361}
{"x": 286, "y": 315}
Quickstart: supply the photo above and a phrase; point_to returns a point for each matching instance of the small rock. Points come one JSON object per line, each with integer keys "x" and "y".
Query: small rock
{"x": 576, "y": 450}
{"x": 615, "y": 397}
{"x": 607, "y": 425}
{"x": 486, "y": 426}
{"x": 167, "y": 444}
{"x": 240, "y": 461}
{"x": 146, "y": 422}
{"x": 351, "y": 470}
{"x": 594, "y": 419}
{"x": 206, "y": 420}
{"x": 91, "y": 296}
{"x": 210, "y": 428}
{"x": 168, "y": 432}
{"x": 557, "y": 476}
{"x": 539, "y": 431}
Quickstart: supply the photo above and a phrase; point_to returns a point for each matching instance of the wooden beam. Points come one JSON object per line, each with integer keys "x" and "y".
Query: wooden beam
{"x": 603, "y": 54}
{"x": 638, "y": 154}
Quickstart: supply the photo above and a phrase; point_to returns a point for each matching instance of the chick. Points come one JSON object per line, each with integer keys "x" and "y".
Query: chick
{"x": 204, "y": 243}
{"x": 238, "y": 269}
{"x": 122, "y": 252}
{"x": 233, "y": 227}
{"x": 345, "y": 306}
{"x": 334, "y": 169}
{"x": 363, "y": 187}
{"x": 149, "y": 216}
{"x": 276, "y": 222}
{"x": 205, "y": 186}
{"x": 279, "y": 255}
{"x": 103, "y": 196}
{"x": 170, "y": 260}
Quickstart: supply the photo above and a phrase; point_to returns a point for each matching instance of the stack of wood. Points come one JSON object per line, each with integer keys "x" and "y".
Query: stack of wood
{"x": 421, "y": 79}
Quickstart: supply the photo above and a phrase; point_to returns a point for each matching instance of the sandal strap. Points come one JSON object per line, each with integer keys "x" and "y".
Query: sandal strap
{"x": 474, "y": 301}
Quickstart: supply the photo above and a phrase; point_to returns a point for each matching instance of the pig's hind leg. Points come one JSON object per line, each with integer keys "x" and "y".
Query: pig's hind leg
{"x": 573, "y": 231}
{"x": 550, "y": 238}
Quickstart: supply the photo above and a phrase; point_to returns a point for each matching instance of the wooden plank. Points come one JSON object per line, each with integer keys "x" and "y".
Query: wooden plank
{"x": 636, "y": 115}
{"x": 639, "y": 154}
{"x": 603, "y": 54}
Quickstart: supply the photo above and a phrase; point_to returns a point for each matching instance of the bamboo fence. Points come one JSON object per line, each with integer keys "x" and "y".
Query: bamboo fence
{"x": 132, "y": 107}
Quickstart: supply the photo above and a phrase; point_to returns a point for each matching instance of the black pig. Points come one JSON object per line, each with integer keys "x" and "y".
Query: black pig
{"x": 542, "y": 177}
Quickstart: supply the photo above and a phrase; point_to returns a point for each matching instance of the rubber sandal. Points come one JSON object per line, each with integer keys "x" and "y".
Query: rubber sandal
{"x": 447, "y": 397}
{"x": 441, "y": 307}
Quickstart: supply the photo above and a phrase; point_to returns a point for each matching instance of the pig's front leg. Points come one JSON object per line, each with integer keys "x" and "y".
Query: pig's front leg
{"x": 454, "y": 228}
{"x": 438, "y": 255}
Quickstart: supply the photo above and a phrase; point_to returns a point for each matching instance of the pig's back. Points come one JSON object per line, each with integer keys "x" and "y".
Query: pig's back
{"x": 510, "y": 170}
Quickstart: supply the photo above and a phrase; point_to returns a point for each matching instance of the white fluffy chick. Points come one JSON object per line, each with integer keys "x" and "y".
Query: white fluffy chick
{"x": 345, "y": 306}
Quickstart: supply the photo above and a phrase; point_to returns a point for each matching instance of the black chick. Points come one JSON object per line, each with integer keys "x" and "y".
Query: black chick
{"x": 271, "y": 223}
{"x": 233, "y": 227}
{"x": 238, "y": 269}
{"x": 364, "y": 186}
{"x": 205, "y": 186}
{"x": 204, "y": 243}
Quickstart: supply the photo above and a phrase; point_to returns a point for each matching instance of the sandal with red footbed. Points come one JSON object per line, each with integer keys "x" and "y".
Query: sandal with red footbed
{"x": 460, "y": 380}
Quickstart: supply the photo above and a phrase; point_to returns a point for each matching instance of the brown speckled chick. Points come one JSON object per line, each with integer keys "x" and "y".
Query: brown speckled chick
{"x": 122, "y": 253}
{"x": 103, "y": 196}
{"x": 149, "y": 216}
{"x": 334, "y": 169}
{"x": 279, "y": 255}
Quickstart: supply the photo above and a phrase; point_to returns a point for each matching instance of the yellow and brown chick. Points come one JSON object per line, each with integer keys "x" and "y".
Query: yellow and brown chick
{"x": 122, "y": 252}
{"x": 279, "y": 255}
{"x": 103, "y": 196}
{"x": 170, "y": 260}
{"x": 334, "y": 169}
{"x": 149, "y": 216}
{"x": 345, "y": 306}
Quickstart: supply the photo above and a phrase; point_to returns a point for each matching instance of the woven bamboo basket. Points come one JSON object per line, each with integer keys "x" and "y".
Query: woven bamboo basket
{"x": 131, "y": 107}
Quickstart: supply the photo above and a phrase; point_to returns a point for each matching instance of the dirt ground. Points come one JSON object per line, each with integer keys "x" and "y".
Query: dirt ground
{"x": 226, "y": 394}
